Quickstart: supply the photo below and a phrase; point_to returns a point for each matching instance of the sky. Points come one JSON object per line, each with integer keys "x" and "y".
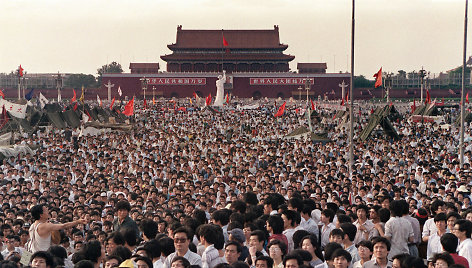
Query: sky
{"x": 80, "y": 36}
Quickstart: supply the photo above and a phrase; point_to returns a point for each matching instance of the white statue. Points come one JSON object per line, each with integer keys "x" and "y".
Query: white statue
{"x": 220, "y": 90}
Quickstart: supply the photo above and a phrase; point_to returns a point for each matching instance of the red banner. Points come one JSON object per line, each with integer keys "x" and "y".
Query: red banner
{"x": 176, "y": 81}
{"x": 279, "y": 81}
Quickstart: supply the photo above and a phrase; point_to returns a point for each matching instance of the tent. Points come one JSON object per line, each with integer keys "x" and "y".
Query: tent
{"x": 379, "y": 117}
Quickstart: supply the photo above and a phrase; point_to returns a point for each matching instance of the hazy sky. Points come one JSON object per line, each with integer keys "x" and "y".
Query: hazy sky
{"x": 80, "y": 36}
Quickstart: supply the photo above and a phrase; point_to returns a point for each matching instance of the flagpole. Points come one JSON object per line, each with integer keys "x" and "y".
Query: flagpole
{"x": 351, "y": 114}
{"x": 222, "y": 50}
{"x": 461, "y": 158}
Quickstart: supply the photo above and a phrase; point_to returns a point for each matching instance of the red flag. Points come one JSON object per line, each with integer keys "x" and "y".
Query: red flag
{"x": 467, "y": 98}
{"x": 1, "y": 94}
{"x": 20, "y": 71}
{"x": 225, "y": 43}
{"x": 227, "y": 98}
{"x": 145, "y": 104}
{"x": 281, "y": 110}
{"x": 112, "y": 102}
{"x": 378, "y": 78}
{"x": 208, "y": 100}
{"x": 371, "y": 110}
{"x": 413, "y": 107}
{"x": 75, "y": 106}
{"x": 390, "y": 105}
{"x": 312, "y": 105}
{"x": 428, "y": 97}
{"x": 73, "y": 98}
{"x": 129, "y": 108}
{"x": 183, "y": 109}
{"x": 4, "y": 117}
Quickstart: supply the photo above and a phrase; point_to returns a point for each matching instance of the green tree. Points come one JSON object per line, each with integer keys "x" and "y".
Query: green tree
{"x": 362, "y": 82}
{"x": 114, "y": 68}
{"x": 78, "y": 80}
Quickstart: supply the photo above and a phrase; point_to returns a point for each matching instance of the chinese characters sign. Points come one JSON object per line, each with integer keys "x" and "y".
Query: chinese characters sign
{"x": 279, "y": 81}
{"x": 176, "y": 81}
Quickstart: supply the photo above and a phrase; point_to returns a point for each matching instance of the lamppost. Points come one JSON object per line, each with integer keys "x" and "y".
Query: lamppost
{"x": 388, "y": 85}
{"x": 153, "y": 92}
{"x": 300, "y": 92}
{"x": 144, "y": 85}
{"x": 24, "y": 84}
{"x": 422, "y": 76}
{"x": 59, "y": 86}
{"x": 307, "y": 87}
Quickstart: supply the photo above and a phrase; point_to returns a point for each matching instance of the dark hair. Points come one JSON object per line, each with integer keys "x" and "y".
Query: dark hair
{"x": 297, "y": 237}
{"x": 349, "y": 229}
{"x": 384, "y": 215}
{"x": 43, "y": 255}
{"x": 443, "y": 256}
{"x": 277, "y": 223}
{"x": 367, "y": 244}
{"x": 292, "y": 216}
{"x": 440, "y": 217}
{"x": 238, "y": 206}
{"x": 341, "y": 253}
{"x": 282, "y": 246}
{"x": 238, "y": 246}
{"x": 207, "y": 231}
{"x": 464, "y": 225}
{"x": 449, "y": 242}
{"x": 396, "y": 208}
{"x": 111, "y": 257}
{"x": 329, "y": 214}
{"x": 130, "y": 236}
{"x": 337, "y": 232}
{"x": 380, "y": 239}
{"x": 36, "y": 211}
{"x": 123, "y": 204}
{"x": 314, "y": 242}
{"x": 401, "y": 257}
{"x": 154, "y": 248}
{"x": 167, "y": 245}
{"x": 291, "y": 256}
{"x": 435, "y": 205}
{"x": 296, "y": 203}
{"x": 342, "y": 218}
{"x": 84, "y": 264}
{"x": 329, "y": 250}
{"x": 184, "y": 261}
{"x": 58, "y": 251}
{"x": 149, "y": 228}
{"x": 123, "y": 252}
{"x": 267, "y": 259}
{"x": 238, "y": 264}
{"x": 220, "y": 215}
{"x": 117, "y": 238}
{"x": 92, "y": 250}
{"x": 260, "y": 235}
{"x": 144, "y": 259}
{"x": 182, "y": 230}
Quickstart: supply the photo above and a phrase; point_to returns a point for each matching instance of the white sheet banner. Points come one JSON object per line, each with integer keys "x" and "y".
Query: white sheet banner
{"x": 17, "y": 110}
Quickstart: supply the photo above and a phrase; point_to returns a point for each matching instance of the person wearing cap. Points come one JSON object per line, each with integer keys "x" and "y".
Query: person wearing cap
{"x": 237, "y": 235}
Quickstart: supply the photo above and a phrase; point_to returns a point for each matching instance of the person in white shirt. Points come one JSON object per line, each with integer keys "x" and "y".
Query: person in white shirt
{"x": 181, "y": 244}
{"x": 290, "y": 223}
{"x": 326, "y": 219}
{"x": 429, "y": 227}
{"x": 462, "y": 229}
{"x": 434, "y": 241}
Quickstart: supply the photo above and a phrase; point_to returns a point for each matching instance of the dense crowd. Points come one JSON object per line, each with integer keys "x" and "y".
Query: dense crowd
{"x": 225, "y": 188}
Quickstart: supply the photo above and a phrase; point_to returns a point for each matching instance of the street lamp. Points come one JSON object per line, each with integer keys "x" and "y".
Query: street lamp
{"x": 300, "y": 92}
{"x": 144, "y": 84}
{"x": 153, "y": 90}
{"x": 59, "y": 86}
{"x": 307, "y": 87}
{"x": 422, "y": 76}
{"x": 388, "y": 85}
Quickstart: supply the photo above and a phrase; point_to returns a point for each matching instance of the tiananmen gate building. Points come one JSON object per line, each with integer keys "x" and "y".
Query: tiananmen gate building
{"x": 254, "y": 61}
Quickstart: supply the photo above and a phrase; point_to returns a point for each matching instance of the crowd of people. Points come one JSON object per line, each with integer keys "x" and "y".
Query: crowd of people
{"x": 226, "y": 189}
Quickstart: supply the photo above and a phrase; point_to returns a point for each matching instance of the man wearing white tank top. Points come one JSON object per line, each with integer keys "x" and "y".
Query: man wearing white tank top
{"x": 40, "y": 231}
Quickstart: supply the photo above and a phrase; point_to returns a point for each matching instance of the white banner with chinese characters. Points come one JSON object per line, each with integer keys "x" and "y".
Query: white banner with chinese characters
{"x": 17, "y": 110}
